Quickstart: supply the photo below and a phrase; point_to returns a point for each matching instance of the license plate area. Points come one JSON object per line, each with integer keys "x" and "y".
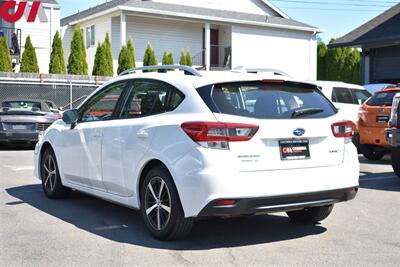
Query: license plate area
{"x": 382, "y": 118}
{"x": 19, "y": 127}
{"x": 294, "y": 149}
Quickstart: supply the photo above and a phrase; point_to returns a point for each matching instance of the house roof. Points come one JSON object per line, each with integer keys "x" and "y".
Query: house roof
{"x": 381, "y": 29}
{"x": 173, "y": 10}
{"x": 50, "y": 2}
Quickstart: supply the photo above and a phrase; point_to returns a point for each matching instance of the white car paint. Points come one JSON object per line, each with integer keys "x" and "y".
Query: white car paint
{"x": 348, "y": 111}
{"x": 106, "y": 158}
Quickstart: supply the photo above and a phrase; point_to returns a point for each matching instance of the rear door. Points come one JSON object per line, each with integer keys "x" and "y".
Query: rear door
{"x": 295, "y": 125}
{"x": 126, "y": 140}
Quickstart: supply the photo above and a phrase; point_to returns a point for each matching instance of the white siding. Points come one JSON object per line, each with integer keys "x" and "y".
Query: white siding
{"x": 291, "y": 51}
{"x": 41, "y": 34}
{"x": 164, "y": 34}
{"x": 102, "y": 26}
{"x": 245, "y": 6}
{"x": 116, "y": 40}
{"x": 66, "y": 37}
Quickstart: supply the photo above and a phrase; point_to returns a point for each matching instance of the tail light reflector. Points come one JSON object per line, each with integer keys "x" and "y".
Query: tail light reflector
{"x": 343, "y": 129}
{"x": 218, "y": 134}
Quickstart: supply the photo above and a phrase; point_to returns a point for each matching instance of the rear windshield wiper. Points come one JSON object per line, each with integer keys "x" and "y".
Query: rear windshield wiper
{"x": 306, "y": 111}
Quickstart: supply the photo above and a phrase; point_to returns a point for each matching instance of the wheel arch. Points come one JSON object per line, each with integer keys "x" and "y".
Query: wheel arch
{"x": 150, "y": 164}
{"x": 46, "y": 145}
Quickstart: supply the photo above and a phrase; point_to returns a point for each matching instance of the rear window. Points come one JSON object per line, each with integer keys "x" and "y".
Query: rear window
{"x": 28, "y": 105}
{"x": 267, "y": 100}
{"x": 382, "y": 99}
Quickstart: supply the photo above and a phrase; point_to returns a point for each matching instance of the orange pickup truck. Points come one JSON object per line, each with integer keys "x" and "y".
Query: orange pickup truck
{"x": 373, "y": 119}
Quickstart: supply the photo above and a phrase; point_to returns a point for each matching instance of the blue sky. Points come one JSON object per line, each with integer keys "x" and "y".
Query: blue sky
{"x": 337, "y": 17}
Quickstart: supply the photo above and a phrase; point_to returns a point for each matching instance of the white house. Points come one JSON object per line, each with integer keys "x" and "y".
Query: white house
{"x": 41, "y": 31}
{"x": 219, "y": 33}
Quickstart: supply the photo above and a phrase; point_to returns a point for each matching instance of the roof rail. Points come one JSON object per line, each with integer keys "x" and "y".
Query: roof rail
{"x": 164, "y": 68}
{"x": 242, "y": 69}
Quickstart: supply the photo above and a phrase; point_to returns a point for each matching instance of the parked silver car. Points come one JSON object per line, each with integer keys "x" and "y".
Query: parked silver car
{"x": 22, "y": 120}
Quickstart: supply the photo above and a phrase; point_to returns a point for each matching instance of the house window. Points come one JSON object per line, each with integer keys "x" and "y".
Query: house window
{"x": 90, "y": 36}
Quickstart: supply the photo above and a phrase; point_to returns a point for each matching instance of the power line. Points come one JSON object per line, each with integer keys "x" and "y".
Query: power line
{"x": 328, "y": 9}
{"x": 368, "y": 1}
{"x": 335, "y": 4}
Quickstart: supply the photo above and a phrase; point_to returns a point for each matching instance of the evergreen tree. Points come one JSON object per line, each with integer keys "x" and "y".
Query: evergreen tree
{"x": 357, "y": 67}
{"x": 131, "y": 54}
{"x": 5, "y": 59}
{"x": 29, "y": 62}
{"x": 123, "y": 60}
{"x": 335, "y": 63}
{"x": 321, "y": 65}
{"x": 149, "y": 58}
{"x": 189, "y": 58}
{"x": 182, "y": 60}
{"x": 57, "y": 63}
{"x": 170, "y": 58}
{"x": 77, "y": 63}
{"x": 109, "y": 62}
{"x": 165, "y": 59}
{"x": 99, "y": 61}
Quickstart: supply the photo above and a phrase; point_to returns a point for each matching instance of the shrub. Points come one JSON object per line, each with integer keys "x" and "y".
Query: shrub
{"x": 99, "y": 61}
{"x": 126, "y": 58}
{"x": 109, "y": 62}
{"x": 131, "y": 54}
{"x": 182, "y": 60}
{"x": 170, "y": 58}
{"x": 165, "y": 58}
{"x": 5, "y": 59}
{"x": 77, "y": 63}
{"x": 149, "y": 58}
{"x": 189, "y": 58}
{"x": 123, "y": 60}
{"x": 29, "y": 62}
{"x": 57, "y": 63}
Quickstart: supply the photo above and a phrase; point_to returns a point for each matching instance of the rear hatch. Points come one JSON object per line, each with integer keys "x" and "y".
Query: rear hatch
{"x": 376, "y": 111}
{"x": 25, "y": 120}
{"x": 294, "y": 119}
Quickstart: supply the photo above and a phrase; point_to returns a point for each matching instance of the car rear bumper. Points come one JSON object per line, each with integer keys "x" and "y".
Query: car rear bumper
{"x": 18, "y": 137}
{"x": 202, "y": 184}
{"x": 251, "y": 206}
{"x": 373, "y": 136}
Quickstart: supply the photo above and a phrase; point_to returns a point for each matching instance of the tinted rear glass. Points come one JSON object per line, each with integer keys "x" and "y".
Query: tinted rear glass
{"x": 268, "y": 100}
{"x": 382, "y": 99}
{"x": 28, "y": 105}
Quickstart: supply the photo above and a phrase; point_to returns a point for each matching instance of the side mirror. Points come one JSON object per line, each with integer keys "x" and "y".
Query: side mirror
{"x": 71, "y": 117}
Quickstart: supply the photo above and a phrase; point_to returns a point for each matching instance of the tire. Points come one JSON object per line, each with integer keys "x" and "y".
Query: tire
{"x": 372, "y": 154}
{"x": 395, "y": 154}
{"x": 162, "y": 212}
{"x": 310, "y": 215}
{"x": 51, "y": 181}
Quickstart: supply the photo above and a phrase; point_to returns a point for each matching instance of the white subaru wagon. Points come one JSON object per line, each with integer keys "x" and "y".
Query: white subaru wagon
{"x": 179, "y": 147}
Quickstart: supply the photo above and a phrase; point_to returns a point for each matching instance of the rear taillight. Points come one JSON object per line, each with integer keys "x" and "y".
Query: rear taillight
{"x": 343, "y": 129}
{"x": 218, "y": 134}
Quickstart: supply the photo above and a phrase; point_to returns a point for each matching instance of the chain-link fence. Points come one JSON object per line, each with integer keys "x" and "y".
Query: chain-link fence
{"x": 63, "y": 94}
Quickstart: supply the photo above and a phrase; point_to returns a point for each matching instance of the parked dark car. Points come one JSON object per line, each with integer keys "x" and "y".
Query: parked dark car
{"x": 393, "y": 134}
{"x": 21, "y": 120}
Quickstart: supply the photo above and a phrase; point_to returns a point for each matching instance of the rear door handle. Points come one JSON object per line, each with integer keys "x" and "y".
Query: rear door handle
{"x": 142, "y": 134}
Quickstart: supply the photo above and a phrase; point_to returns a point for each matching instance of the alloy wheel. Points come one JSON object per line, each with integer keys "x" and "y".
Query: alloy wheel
{"x": 49, "y": 172}
{"x": 158, "y": 203}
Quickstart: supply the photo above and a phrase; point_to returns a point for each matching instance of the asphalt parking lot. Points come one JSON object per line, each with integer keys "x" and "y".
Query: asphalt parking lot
{"x": 85, "y": 231}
